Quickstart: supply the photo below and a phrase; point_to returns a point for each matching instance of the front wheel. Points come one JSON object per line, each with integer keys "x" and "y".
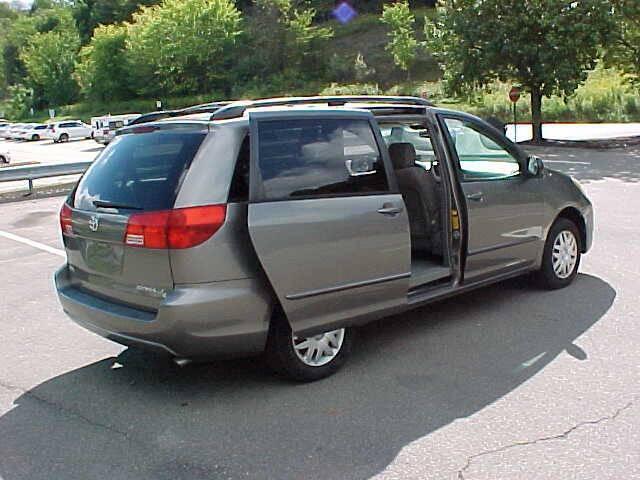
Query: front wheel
{"x": 35, "y": 138}
{"x": 64, "y": 138}
{"x": 306, "y": 359}
{"x": 561, "y": 257}
{"x": 3, "y": 159}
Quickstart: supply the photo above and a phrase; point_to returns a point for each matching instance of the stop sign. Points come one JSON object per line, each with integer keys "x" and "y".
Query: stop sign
{"x": 514, "y": 94}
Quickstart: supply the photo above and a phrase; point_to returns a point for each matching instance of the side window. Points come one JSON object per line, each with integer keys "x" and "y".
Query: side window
{"x": 239, "y": 190}
{"x": 305, "y": 158}
{"x": 480, "y": 157}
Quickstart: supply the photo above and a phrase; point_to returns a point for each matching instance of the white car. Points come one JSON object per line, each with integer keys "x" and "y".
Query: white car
{"x": 14, "y": 131}
{"x": 4, "y": 155}
{"x": 35, "y": 131}
{"x": 4, "y": 129}
{"x": 68, "y": 130}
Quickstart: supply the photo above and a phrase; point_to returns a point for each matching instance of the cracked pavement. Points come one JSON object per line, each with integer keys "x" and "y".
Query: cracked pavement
{"x": 504, "y": 382}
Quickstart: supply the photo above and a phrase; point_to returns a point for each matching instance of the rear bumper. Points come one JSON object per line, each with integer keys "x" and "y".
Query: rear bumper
{"x": 219, "y": 319}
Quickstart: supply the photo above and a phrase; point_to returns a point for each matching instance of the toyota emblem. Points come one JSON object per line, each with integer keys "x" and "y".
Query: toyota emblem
{"x": 93, "y": 223}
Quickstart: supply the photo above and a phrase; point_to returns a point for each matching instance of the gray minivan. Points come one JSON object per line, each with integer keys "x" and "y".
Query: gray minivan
{"x": 278, "y": 225}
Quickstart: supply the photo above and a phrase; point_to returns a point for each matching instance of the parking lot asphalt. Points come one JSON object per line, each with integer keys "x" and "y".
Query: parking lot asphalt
{"x": 505, "y": 382}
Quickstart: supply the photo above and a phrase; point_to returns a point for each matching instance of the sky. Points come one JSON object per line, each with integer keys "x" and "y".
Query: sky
{"x": 21, "y": 3}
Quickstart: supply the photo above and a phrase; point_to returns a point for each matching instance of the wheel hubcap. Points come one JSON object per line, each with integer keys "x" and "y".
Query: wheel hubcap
{"x": 565, "y": 254}
{"x": 320, "y": 349}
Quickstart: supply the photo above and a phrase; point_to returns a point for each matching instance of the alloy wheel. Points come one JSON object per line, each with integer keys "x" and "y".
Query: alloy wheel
{"x": 320, "y": 349}
{"x": 564, "y": 254}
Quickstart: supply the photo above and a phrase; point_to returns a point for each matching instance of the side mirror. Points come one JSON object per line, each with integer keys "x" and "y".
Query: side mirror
{"x": 534, "y": 166}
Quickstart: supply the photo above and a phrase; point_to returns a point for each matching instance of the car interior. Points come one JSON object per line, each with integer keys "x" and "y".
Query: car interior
{"x": 416, "y": 167}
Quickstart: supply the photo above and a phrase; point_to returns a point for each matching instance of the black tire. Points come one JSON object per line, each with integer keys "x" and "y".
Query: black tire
{"x": 35, "y": 138}
{"x": 3, "y": 159}
{"x": 64, "y": 138}
{"x": 547, "y": 277}
{"x": 283, "y": 360}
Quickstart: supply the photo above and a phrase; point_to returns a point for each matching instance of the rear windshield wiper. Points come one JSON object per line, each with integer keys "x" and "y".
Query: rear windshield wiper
{"x": 107, "y": 204}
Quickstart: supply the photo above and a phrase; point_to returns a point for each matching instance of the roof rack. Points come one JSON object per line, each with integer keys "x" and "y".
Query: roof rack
{"x": 237, "y": 109}
{"x": 159, "y": 115}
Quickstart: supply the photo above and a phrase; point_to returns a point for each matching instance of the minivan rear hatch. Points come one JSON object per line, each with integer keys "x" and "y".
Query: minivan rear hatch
{"x": 114, "y": 223}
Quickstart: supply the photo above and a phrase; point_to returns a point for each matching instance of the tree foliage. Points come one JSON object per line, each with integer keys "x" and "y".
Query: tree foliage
{"x": 49, "y": 60}
{"x": 547, "y": 46}
{"x": 282, "y": 39}
{"x": 183, "y": 45}
{"x": 20, "y": 101}
{"x": 402, "y": 41}
{"x": 91, "y": 13}
{"x": 103, "y": 70}
{"x": 623, "y": 48}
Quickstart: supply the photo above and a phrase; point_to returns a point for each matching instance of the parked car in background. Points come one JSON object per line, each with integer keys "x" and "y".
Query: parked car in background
{"x": 104, "y": 128}
{"x": 279, "y": 225}
{"x": 32, "y": 132}
{"x": 5, "y": 157}
{"x": 14, "y": 131}
{"x": 68, "y": 130}
{"x": 4, "y": 129}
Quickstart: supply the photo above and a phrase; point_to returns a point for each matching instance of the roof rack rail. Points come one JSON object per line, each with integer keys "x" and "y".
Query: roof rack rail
{"x": 237, "y": 109}
{"x": 159, "y": 115}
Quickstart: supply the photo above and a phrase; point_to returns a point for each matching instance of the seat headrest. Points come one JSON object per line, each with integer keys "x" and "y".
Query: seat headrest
{"x": 403, "y": 155}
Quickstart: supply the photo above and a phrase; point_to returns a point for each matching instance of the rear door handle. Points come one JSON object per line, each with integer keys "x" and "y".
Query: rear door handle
{"x": 476, "y": 197}
{"x": 390, "y": 209}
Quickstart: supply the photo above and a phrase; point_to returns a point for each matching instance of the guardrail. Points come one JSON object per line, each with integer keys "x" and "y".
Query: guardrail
{"x": 42, "y": 171}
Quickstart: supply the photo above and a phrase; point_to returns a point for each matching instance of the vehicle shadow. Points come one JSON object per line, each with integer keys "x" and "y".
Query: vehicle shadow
{"x": 135, "y": 417}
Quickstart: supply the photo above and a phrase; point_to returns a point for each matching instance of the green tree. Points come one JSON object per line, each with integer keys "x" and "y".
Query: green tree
{"x": 103, "y": 70}
{"x": 547, "y": 46}
{"x": 402, "y": 41}
{"x": 49, "y": 59}
{"x": 20, "y": 101}
{"x": 284, "y": 41}
{"x": 88, "y": 14}
{"x": 19, "y": 29}
{"x": 182, "y": 46}
{"x": 623, "y": 48}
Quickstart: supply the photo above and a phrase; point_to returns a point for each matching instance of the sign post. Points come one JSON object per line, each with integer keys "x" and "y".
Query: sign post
{"x": 514, "y": 96}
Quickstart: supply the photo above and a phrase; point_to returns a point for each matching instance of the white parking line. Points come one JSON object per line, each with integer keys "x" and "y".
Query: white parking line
{"x": 34, "y": 244}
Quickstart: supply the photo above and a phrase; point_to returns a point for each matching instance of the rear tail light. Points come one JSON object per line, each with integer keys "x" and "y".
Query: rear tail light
{"x": 177, "y": 229}
{"x": 66, "y": 224}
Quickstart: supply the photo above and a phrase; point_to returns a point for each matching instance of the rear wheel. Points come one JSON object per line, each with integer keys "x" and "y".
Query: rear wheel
{"x": 561, "y": 257}
{"x": 64, "y": 137}
{"x": 35, "y": 137}
{"x": 306, "y": 359}
{"x": 3, "y": 159}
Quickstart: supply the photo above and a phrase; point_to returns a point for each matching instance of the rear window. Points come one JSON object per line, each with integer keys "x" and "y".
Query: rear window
{"x": 139, "y": 171}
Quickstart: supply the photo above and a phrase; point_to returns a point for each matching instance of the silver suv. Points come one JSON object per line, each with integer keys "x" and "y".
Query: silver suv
{"x": 279, "y": 225}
